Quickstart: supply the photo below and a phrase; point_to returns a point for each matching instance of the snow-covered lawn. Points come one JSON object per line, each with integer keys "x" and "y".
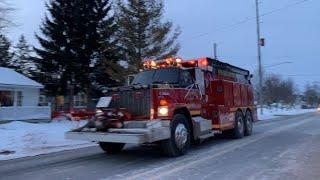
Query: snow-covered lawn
{"x": 270, "y": 113}
{"x": 21, "y": 139}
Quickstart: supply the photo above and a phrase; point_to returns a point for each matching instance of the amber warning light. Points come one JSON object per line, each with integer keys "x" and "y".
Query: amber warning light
{"x": 202, "y": 63}
{"x": 169, "y": 62}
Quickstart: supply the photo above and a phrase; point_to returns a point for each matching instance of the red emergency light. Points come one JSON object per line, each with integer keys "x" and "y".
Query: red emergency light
{"x": 169, "y": 62}
{"x": 202, "y": 63}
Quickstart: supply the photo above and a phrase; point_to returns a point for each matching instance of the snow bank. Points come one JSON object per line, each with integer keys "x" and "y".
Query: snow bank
{"x": 270, "y": 113}
{"x": 21, "y": 139}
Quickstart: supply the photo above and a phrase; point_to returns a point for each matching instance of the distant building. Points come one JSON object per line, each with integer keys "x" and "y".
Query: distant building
{"x": 19, "y": 97}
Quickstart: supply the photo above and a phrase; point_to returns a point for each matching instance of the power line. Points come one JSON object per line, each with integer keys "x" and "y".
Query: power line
{"x": 302, "y": 75}
{"x": 247, "y": 19}
{"x": 283, "y": 8}
{"x": 223, "y": 28}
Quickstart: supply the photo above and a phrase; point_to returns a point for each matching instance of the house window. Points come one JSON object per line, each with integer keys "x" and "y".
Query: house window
{"x": 6, "y": 98}
{"x": 19, "y": 98}
{"x": 43, "y": 100}
{"x": 80, "y": 100}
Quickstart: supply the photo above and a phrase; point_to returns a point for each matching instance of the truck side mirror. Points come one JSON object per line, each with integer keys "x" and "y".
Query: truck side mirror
{"x": 130, "y": 79}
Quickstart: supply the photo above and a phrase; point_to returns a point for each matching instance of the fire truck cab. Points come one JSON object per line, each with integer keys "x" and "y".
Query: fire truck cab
{"x": 175, "y": 103}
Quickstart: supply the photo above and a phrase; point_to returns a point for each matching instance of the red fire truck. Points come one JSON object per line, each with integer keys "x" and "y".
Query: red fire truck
{"x": 173, "y": 103}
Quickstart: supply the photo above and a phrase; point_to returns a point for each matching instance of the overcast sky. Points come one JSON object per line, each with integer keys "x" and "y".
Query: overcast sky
{"x": 292, "y": 32}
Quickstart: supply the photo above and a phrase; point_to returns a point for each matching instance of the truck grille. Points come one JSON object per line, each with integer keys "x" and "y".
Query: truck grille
{"x": 137, "y": 102}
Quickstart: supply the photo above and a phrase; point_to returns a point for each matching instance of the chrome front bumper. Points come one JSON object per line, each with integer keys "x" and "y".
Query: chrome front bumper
{"x": 135, "y": 132}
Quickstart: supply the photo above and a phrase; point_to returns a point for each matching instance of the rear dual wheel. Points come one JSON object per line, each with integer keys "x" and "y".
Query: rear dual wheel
{"x": 243, "y": 125}
{"x": 248, "y": 123}
{"x": 238, "y": 130}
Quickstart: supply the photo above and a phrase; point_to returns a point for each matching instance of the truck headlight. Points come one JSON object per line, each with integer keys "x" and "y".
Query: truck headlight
{"x": 163, "y": 111}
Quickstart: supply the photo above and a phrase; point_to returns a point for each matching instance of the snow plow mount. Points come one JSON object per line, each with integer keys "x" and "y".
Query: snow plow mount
{"x": 134, "y": 132}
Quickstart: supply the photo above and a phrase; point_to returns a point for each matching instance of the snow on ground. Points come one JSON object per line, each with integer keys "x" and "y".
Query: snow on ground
{"x": 22, "y": 139}
{"x": 270, "y": 113}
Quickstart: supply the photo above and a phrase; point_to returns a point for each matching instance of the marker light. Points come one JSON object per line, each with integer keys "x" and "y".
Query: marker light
{"x": 153, "y": 64}
{"x": 192, "y": 62}
{"x": 151, "y": 113}
{"x": 163, "y": 111}
{"x": 179, "y": 60}
{"x": 163, "y": 102}
{"x": 203, "y": 62}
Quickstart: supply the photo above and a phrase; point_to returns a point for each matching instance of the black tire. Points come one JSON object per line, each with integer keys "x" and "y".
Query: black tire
{"x": 111, "y": 148}
{"x": 248, "y": 124}
{"x": 238, "y": 131}
{"x": 172, "y": 147}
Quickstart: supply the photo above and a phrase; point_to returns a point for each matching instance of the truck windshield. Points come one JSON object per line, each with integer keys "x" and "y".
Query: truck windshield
{"x": 157, "y": 76}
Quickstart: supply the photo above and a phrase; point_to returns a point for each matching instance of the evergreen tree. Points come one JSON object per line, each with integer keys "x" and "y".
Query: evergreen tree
{"x": 78, "y": 36}
{"x": 143, "y": 34}
{"x": 5, "y": 54}
{"x": 22, "y": 60}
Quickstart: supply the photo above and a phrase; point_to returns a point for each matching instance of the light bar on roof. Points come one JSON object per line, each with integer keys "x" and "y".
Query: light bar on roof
{"x": 169, "y": 62}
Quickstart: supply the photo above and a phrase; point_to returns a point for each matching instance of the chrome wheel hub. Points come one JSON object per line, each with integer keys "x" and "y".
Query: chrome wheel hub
{"x": 181, "y": 135}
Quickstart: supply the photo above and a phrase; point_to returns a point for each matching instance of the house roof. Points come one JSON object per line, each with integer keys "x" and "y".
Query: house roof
{"x": 9, "y": 77}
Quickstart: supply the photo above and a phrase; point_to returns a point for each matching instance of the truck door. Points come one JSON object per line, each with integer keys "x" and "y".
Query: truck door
{"x": 203, "y": 85}
{"x": 192, "y": 95}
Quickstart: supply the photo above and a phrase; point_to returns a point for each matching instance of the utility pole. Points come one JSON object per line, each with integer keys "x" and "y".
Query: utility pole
{"x": 259, "y": 58}
{"x": 215, "y": 46}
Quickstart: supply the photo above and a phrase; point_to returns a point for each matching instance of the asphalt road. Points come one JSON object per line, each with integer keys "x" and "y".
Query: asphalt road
{"x": 286, "y": 148}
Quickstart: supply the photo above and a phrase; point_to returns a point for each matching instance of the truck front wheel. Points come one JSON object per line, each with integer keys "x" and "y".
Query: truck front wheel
{"x": 111, "y": 148}
{"x": 179, "y": 142}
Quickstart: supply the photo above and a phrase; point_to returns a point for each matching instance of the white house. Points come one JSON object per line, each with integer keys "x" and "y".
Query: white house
{"x": 19, "y": 97}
